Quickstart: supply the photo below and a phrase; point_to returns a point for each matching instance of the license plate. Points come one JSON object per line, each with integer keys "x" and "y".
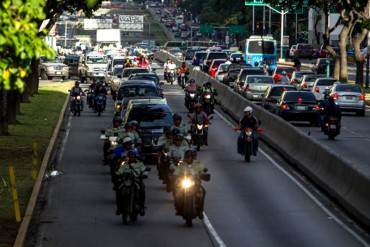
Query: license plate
{"x": 349, "y": 97}
{"x": 300, "y": 108}
{"x": 255, "y": 96}
{"x": 332, "y": 126}
{"x": 58, "y": 73}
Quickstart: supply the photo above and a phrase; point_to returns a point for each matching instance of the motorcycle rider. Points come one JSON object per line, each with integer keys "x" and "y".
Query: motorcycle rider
{"x": 165, "y": 140}
{"x": 132, "y": 164}
{"x": 101, "y": 90}
{"x": 179, "y": 125}
{"x": 117, "y": 130}
{"x": 177, "y": 149}
{"x": 169, "y": 68}
{"x": 183, "y": 69}
{"x": 192, "y": 87}
{"x": 331, "y": 109}
{"x": 207, "y": 88}
{"x": 189, "y": 165}
{"x": 75, "y": 91}
{"x": 130, "y": 128}
{"x": 200, "y": 117}
{"x": 248, "y": 121}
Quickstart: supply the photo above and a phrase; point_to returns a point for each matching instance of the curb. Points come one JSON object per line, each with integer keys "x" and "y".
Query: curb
{"x": 23, "y": 228}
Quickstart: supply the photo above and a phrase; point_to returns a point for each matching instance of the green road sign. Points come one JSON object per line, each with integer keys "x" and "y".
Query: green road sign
{"x": 206, "y": 29}
{"x": 255, "y": 3}
{"x": 236, "y": 29}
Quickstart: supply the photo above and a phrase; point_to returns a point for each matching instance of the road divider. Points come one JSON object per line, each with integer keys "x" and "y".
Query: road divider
{"x": 342, "y": 179}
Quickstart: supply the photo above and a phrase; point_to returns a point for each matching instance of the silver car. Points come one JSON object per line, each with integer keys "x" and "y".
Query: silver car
{"x": 321, "y": 86}
{"x": 349, "y": 98}
{"x": 49, "y": 70}
{"x": 256, "y": 85}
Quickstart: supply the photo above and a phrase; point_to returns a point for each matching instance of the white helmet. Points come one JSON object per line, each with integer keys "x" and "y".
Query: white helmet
{"x": 248, "y": 109}
{"x": 127, "y": 139}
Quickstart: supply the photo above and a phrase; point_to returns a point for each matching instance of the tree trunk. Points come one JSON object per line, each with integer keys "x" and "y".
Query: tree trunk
{"x": 356, "y": 41}
{"x": 343, "y": 36}
{"x": 337, "y": 68}
{"x": 34, "y": 77}
{"x": 3, "y": 118}
{"x": 11, "y": 109}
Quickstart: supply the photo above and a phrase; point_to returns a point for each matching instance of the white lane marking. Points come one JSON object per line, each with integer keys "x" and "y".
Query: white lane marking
{"x": 68, "y": 129}
{"x": 212, "y": 231}
{"x": 307, "y": 192}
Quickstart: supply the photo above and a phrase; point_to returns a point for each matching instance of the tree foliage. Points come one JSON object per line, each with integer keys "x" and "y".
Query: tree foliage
{"x": 20, "y": 41}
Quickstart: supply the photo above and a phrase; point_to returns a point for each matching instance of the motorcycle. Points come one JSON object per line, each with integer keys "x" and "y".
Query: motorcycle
{"x": 182, "y": 80}
{"x": 207, "y": 103}
{"x": 99, "y": 104}
{"x": 248, "y": 144}
{"x": 170, "y": 77}
{"x": 198, "y": 134}
{"x": 332, "y": 128}
{"x": 191, "y": 99}
{"x": 76, "y": 105}
{"x": 129, "y": 189}
{"x": 190, "y": 196}
{"x": 90, "y": 97}
{"x": 163, "y": 167}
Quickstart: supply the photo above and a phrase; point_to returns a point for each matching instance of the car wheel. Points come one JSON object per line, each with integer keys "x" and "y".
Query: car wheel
{"x": 50, "y": 78}
{"x": 360, "y": 113}
{"x": 44, "y": 76}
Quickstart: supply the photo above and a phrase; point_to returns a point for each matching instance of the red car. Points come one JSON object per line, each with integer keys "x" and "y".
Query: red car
{"x": 214, "y": 66}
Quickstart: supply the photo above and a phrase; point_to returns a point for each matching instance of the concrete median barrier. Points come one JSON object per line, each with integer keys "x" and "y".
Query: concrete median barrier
{"x": 343, "y": 180}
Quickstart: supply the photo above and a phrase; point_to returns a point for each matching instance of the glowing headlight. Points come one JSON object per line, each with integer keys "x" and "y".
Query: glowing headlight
{"x": 248, "y": 133}
{"x": 78, "y": 97}
{"x": 207, "y": 96}
{"x": 192, "y": 95}
{"x": 113, "y": 143}
{"x": 186, "y": 183}
{"x": 200, "y": 126}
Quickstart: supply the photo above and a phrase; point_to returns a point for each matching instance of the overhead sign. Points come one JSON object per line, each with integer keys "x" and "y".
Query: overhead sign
{"x": 131, "y": 23}
{"x": 94, "y": 24}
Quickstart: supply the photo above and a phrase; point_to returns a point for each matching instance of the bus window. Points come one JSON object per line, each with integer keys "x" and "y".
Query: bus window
{"x": 261, "y": 47}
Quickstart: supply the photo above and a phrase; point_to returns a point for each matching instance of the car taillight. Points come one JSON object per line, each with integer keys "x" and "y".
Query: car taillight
{"x": 284, "y": 106}
{"x": 317, "y": 108}
{"x": 304, "y": 85}
{"x": 300, "y": 100}
{"x": 362, "y": 97}
{"x": 335, "y": 96}
{"x": 317, "y": 90}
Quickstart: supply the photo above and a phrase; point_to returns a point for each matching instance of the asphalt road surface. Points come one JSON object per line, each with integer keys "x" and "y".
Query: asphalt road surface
{"x": 253, "y": 204}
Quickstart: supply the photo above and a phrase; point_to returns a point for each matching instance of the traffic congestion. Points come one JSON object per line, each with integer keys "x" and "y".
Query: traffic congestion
{"x": 175, "y": 131}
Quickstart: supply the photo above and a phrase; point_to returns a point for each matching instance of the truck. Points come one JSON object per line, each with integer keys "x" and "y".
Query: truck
{"x": 108, "y": 37}
{"x": 96, "y": 65}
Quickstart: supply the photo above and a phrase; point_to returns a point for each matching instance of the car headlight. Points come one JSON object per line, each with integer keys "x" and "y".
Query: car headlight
{"x": 50, "y": 68}
{"x": 187, "y": 183}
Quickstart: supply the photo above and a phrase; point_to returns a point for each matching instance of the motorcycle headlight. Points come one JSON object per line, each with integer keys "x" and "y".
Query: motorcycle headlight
{"x": 207, "y": 96}
{"x": 200, "y": 126}
{"x": 113, "y": 143}
{"x": 192, "y": 95}
{"x": 248, "y": 133}
{"x": 78, "y": 97}
{"x": 187, "y": 183}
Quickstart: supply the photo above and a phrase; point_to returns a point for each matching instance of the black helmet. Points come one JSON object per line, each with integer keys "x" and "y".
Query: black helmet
{"x": 77, "y": 83}
{"x": 176, "y": 117}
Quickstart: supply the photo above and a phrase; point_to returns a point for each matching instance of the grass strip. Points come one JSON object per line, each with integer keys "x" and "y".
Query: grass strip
{"x": 36, "y": 124}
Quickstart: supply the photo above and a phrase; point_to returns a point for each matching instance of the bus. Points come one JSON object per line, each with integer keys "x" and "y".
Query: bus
{"x": 260, "y": 49}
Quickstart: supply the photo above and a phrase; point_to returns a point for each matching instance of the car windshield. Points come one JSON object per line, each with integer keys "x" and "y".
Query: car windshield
{"x": 237, "y": 55}
{"x": 118, "y": 62}
{"x": 145, "y": 77}
{"x": 261, "y": 47}
{"x": 348, "y": 88}
{"x": 310, "y": 80}
{"x": 278, "y": 91}
{"x": 200, "y": 55}
{"x": 325, "y": 82}
{"x": 137, "y": 90}
{"x": 150, "y": 116}
{"x": 96, "y": 60}
{"x": 128, "y": 72}
{"x": 216, "y": 63}
{"x": 260, "y": 79}
{"x": 304, "y": 96}
{"x": 217, "y": 55}
{"x": 279, "y": 70}
{"x": 117, "y": 71}
{"x": 223, "y": 67}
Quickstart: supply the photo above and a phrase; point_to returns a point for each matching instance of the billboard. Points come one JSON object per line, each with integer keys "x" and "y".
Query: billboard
{"x": 108, "y": 35}
{"x": 131, "y": 23}
{"x": 94, "y": 24}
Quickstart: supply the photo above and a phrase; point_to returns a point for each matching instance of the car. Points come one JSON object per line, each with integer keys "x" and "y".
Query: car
{"x": 221, "y": 71}
{"x": 127, "y": 72}
{"x": 241, "y": 79}
{"x": 152, "y": 115}
{"x": 304, "y": 51}
{"x": 321, "y": 65}
{"x": 146, "y": 76}
{"x": 198, "y": 58}
{"x": 214, "y": 66}
{"x": 321, "y": 86}
{"x": 273, "y": 94}
{"x": 210, "y": 56}
{"x": 74, "y": 63}
{"x": 279, "y": 70}
{"x": 298, "y": 106}
{"x": 255, "y": 86}
{"x": 138, "y": 88}
{"x": 308, "y": 81}
{"x": 236, "y": 57}
{"x": 297, "y": 76}
{"x": 233, "y": 71}
{"x": 55, "y": 68}
{"x": 349, "y": 97}
{"x": 323, "y": 53}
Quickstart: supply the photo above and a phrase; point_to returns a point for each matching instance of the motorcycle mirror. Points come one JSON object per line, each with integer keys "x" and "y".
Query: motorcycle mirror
{"x": 205, "y": 177}
{"x": 102, "y": 132}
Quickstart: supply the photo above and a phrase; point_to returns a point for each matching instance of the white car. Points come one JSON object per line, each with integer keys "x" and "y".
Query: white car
{"x": 321, "y": 86}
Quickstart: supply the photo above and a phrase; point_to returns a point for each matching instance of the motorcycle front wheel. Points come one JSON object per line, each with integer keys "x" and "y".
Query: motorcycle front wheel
{"x": 247, "y": 152}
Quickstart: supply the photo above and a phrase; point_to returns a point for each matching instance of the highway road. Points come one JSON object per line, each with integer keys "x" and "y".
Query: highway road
{"x": 257, "y": 204}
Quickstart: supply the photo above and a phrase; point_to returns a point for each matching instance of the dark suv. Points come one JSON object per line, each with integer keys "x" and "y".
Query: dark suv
{"x": 210, "y": 56}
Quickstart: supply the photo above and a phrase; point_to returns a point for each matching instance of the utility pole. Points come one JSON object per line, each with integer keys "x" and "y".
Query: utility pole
{"x": 264, "y": 21}
{"x": 269, "y": 21}
{"x": 296, "y": 27}
{"x": 368, "y": 55}
{"x": 253, "y": 24}
{"x": 282, "y": 34}
{"x": 65, "y": 34}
